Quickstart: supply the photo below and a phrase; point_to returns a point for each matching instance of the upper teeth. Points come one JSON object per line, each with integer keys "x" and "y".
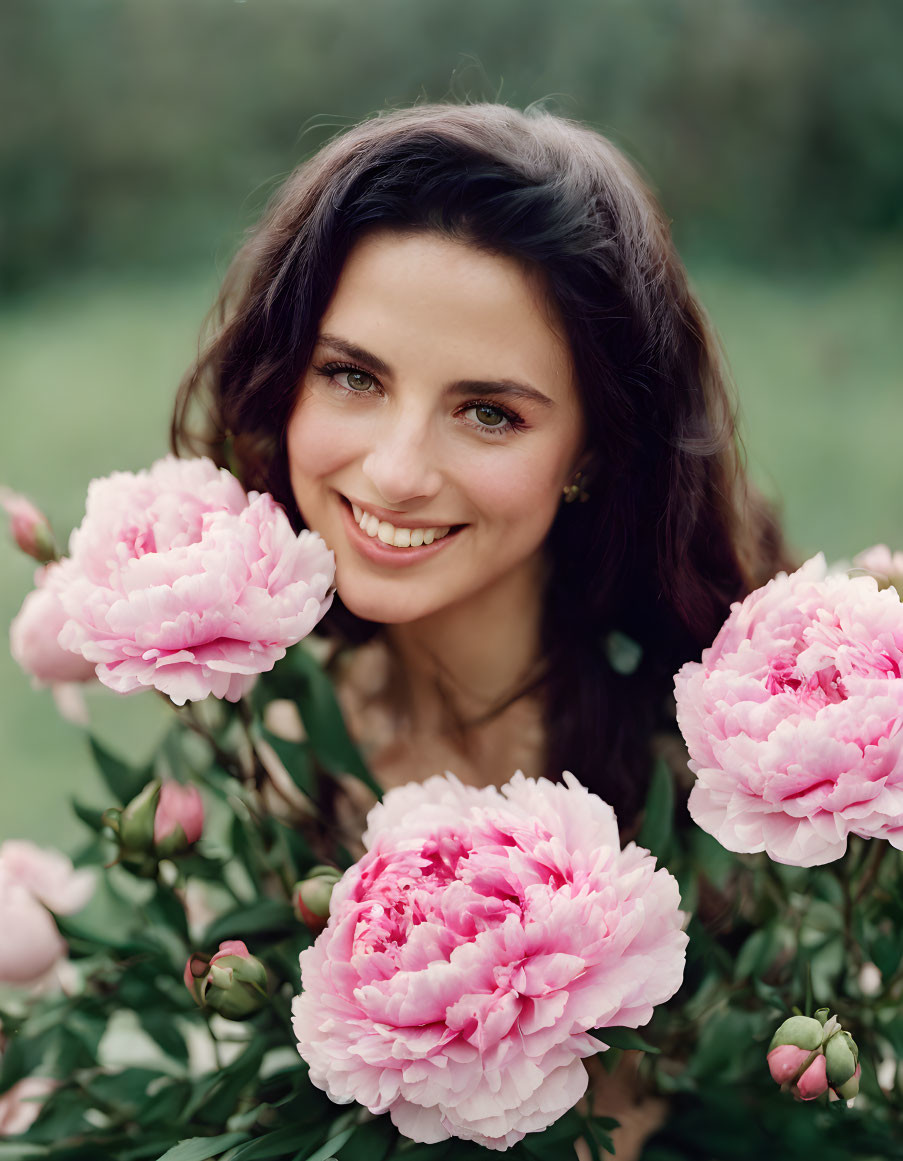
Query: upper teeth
{"x": 397, "y": 537}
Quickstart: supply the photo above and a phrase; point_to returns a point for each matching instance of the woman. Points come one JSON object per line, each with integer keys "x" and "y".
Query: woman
{"x": 461, "y": 346}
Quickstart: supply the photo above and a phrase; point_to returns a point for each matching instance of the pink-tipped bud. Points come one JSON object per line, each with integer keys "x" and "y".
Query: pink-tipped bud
{"x": 311, "y": 896}
{"x": 231, "y": 982}
{"x": 785, "y": 1061}
{"x": 30, "y": 527}
{"x": 179, "y": 818}
{"x": 814, "y": 1080}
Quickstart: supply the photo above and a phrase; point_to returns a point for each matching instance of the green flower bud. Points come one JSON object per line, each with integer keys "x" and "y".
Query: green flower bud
{"x": 136, "y": 822}
{"x": 840, "y": 1059}
{"x": 232, "y": 982}
{"x": 311, "y": 896}
{"x": 803, "y": 1031}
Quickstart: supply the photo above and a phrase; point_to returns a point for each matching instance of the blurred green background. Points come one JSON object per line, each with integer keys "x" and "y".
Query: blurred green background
{"x": 140, "y": 138}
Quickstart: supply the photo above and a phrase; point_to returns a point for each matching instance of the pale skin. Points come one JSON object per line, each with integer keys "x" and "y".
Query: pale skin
{"x": 441, "y": 394}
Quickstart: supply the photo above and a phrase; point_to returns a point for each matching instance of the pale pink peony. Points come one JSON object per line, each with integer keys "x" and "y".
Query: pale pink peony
{"x": 886, "y": 565}
{"x": 178, "y": 580}
{"x": 35, "y": 629}
{"x": 20, "y": 1105}
{"x": 794, "y": 718}
{"x": 470, "y": 950}
{"x": 34, "y": 882}
{"x": 179, "y": 805}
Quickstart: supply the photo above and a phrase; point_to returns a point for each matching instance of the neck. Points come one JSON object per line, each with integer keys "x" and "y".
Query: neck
{"x": 474, "y": 655}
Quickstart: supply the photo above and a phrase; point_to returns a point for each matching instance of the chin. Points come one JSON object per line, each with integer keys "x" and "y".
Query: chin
{"x": 388, "y": 610}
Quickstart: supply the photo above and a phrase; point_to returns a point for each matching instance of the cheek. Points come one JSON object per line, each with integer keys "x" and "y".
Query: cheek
{"x": 316, "y": 444}
{"x": 520, "y": 493}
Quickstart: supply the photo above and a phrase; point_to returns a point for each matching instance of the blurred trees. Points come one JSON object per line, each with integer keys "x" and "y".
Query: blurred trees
{"x": 141, "y": 132}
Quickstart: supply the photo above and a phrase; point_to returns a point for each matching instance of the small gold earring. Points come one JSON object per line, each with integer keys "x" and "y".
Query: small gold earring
{"x": 575, "y": 490}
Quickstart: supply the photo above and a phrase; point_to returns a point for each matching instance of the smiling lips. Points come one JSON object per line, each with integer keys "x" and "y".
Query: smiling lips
{"x": 392, "y": 535}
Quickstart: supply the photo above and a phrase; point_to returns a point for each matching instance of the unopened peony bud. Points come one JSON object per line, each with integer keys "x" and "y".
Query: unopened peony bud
{"x": 231, "y": 982}
{"x": 179, "y": 818}
{"x": 162, "y": 821}
{"x": 312, "y": 894}
{"x": 807, "y": 1054}
{"x": 134, "y": 829}
{"x": 30, "y": 527}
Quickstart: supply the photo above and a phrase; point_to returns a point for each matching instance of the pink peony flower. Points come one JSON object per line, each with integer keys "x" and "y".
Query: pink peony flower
{"x": 20, "y": 1105}
{"x": 33, "y": 635}
{"x": 34, "y": 882}
{"x": 794, "y": 718}
{"x": 178, "y": 806}
{"x": 470, "y": 950}
{"x": 30, "y": 527}
{"x": 179, "y": 581}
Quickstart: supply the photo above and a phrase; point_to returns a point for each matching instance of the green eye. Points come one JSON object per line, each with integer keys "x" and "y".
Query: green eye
{"x": 358, "y": 380}
{"x": 489, "y": 416}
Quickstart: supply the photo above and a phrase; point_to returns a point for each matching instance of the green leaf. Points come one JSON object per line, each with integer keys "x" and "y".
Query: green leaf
{"x": 203, "y": 1148}
{"x": 91, "y": 816}
{"x": 657, "y": 830}
{"x": 220, "y": 1100}
{"x": 166, "y": 909}
{"x": 624, "y": 1038}
{"x": 274, "y": 1146}
{"x": 411, "y": 1152}
{"x": 296, "y": 758}
{"x": 370, "y": 1141}
{"x": 758, "y": 953}
{"x": 600, "y": 1132}
{"x": 126, "y": 1088}
{"x": 123, "y": 780}
{"x": 330, "y": 1149}
{"x": 266, "y": 916}
{"x": 165, "y": 1033}
{"x": 311, "y": 689}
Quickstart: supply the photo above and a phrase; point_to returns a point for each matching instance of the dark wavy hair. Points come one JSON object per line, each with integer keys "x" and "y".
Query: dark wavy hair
{"x": 672, "y": 533}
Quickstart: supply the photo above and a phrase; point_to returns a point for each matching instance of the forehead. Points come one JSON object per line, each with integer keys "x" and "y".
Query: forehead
{"x": 423, "y": 296}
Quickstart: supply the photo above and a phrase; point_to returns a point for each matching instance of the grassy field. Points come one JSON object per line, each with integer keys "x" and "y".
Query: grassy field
{"x": 89, "y": 371}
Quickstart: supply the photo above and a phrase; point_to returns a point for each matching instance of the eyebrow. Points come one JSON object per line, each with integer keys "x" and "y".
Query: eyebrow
{"x": 511, "y": 388}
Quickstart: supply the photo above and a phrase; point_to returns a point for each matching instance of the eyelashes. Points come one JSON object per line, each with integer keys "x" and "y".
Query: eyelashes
{"x": 511, "y": 421}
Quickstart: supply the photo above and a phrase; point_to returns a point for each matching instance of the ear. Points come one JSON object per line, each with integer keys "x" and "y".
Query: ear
{"x": 584, "y": 463}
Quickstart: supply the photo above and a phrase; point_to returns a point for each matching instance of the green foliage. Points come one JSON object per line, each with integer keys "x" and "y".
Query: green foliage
{"x": 773, "y": 130}
{"x": 144, "y": 1074}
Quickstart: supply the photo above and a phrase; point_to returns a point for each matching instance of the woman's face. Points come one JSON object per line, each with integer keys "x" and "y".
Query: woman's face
{"x": 435, "y": 428}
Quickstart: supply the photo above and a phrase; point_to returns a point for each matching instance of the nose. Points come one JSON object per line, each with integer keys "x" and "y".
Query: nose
{"x": 401, "y": 463}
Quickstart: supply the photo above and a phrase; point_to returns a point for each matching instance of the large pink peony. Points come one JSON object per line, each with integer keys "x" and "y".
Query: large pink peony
{"x": 179, "y": 580}
{"x": 34, "y": 882}
{"x": 794, "y": 718}
{"x": 472, "y": 947}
